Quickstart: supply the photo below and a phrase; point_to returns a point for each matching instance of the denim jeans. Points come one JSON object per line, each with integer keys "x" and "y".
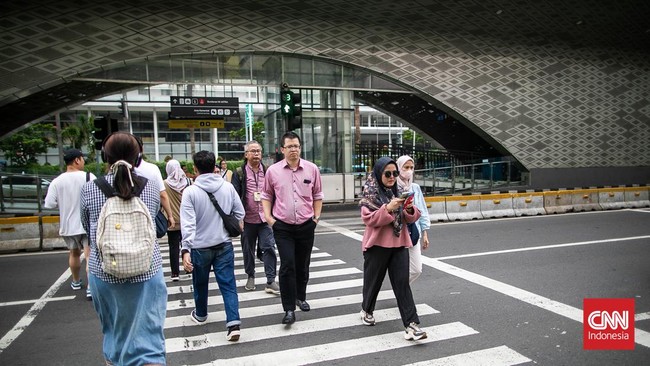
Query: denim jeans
{"x": 222, "y": 261}
{"x": 262, "y": 234}
{"x": 132, "y": 316}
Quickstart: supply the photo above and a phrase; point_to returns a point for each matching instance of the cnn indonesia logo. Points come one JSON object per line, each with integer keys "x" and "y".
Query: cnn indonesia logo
{"x": 608, "y": 324}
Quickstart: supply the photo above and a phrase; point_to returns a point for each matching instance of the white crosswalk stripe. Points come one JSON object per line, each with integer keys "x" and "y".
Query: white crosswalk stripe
{"x": 348, "y": 348}
{"x": 331, "y": 294}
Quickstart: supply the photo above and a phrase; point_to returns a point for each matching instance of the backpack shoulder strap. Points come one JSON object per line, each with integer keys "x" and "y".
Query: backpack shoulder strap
{"x": 104, "y": 186}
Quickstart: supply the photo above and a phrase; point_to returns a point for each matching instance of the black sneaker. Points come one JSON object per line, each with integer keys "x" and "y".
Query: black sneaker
{"x": 233, "y": 333}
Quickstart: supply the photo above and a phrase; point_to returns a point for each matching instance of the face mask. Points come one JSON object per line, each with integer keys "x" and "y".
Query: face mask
{"x": 406, "y": 174}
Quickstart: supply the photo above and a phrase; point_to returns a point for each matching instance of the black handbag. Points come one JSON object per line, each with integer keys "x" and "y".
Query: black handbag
{"x": 230, "y": 222}
{"x": 161, "y": 224}
{"x": 413, "y": 233}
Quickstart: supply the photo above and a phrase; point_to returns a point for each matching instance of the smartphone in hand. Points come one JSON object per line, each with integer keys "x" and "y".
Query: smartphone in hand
{"x": 406, "y": 195}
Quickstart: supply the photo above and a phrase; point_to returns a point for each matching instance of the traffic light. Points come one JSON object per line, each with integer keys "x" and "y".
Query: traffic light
{"x": 104, "y": 126}
{"x": 121, "y": 109}
{"x": 286, "y": 100}
{"x": 296, "y": 117}
{"x": 290, "y": 107}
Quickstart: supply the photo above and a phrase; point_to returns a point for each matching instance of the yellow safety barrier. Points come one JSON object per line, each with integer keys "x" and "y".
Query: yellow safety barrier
{"x": 19, "y": 233}
{"x": 463, "y": 207}
{"x": 497, "y": 205}
{"x": 51, "y": 238}
{"x": 436, "y": 208}
{"x": 585, "y": 200}
{"x": 636, "y": 197}
{"x": 611, "y": 198}
{"x": 528, "y": 203}
{"x": 558, "y": 202}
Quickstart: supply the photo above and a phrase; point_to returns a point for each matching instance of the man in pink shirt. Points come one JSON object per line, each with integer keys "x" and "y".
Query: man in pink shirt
{"x": 292, "y": 198}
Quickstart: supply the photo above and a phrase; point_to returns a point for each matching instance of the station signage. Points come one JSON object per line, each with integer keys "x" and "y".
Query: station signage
{"x": 195, "y": 123}
{"x": 203, "y": 108}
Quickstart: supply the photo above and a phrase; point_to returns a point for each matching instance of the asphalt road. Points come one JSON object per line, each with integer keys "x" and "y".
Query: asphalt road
{"x": 494, "y": 292}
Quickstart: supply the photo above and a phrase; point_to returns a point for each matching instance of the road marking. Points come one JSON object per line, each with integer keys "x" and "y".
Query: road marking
{"x": 259, "y": 281}
{"x": 642, "y": 316}
{"x": 472, "y": 222}
{"x": 260, "y": 270}
{"x": 543, "y": 247}
{"x": 31, "y": 314}
{"x": 257, "y": 295}
{"x": 23, "y": 302}
{"x": 640, "y": 336}
{"x": 209, "y": 340}
{"x": 341, "y": 230}
{"x": 349, "y": 348}
{"x": 249, "y": 312}
{"x": 497, "y": 356}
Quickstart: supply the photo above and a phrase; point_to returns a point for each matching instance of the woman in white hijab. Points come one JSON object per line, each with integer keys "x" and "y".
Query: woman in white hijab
{"x": 175, "y": 184}
{"x": 406, "y": 166}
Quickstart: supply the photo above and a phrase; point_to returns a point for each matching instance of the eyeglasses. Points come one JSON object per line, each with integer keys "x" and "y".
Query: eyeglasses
{"x": 292, "y": 147}
{"x": 394, "y": 173}
{"x": 255, "y": 151}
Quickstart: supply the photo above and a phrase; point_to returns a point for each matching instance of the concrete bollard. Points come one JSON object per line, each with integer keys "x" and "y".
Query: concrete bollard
{"x": 19, "y": 233}
{"x": 528, "y": 203}
{"x": 51, "y": 238}
{"x": 636, "y": 197}
{"x": 558, "y": 201}
{"x": 463, "y": 207}
{"x": 436, "y": 209}
{"x": 496, "y": 205}
{"x": 585, "y": 200}
{"x": 611, "y": 198}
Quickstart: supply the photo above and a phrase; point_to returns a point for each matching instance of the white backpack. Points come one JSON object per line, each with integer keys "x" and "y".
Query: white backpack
{"x": 125, "y": 234}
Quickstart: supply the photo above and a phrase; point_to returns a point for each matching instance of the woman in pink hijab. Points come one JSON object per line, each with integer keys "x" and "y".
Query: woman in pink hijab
{"x": 175, "y": 184}
{"x": 406, "y": 167}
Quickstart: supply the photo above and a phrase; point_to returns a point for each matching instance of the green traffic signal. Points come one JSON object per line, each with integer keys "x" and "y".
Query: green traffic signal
{"x": 286, "y": 103}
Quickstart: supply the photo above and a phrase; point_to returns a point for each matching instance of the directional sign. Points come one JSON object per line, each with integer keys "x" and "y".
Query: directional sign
{"x": 249, "y": 114}
{"x": 203, "y": 108}
{"x": 196, "y": 123}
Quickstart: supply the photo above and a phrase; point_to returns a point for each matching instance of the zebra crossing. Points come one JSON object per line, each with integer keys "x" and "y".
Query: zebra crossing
{"x": 331, "y": 332}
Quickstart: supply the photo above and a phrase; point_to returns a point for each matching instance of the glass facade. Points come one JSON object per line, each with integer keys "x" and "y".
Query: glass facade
{"x": 328, "y": 107}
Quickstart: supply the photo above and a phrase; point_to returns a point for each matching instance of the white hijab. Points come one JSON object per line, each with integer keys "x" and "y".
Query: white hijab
{"x": 404, "y": 180}
{"x": 176, "y": 178}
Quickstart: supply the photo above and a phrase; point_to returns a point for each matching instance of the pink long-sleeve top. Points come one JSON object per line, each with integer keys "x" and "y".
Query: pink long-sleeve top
{"x": 379, "y": 228}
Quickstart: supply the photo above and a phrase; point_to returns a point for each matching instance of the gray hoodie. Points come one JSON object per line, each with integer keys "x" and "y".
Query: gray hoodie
{"x": 201, "y": 224}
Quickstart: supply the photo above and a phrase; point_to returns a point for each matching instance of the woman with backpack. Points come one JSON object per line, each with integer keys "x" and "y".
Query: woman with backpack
{"x": 128, "y": 290}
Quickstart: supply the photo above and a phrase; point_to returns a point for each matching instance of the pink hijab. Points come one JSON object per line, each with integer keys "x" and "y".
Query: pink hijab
{"x": 176, "y": 178}
{"x": 404, "y": 183}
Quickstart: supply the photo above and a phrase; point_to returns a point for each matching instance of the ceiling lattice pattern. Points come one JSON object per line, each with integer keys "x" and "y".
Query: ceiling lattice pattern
{"x": 558, "y": 83}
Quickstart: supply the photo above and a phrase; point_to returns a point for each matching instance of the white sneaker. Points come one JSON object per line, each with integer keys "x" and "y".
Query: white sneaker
{"x": 414, "y": 333}
{"x": 233, "y": 333}
{"x": 367, "y": 319}
{"x": 196, "y": 319}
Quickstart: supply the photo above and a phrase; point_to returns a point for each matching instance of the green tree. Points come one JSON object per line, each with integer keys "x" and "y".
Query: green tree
{"x": 23, "y": 147}
{"x": 408, "y": 136}
{"x": 258, "y": 132}
{"x": 80, "y": 133}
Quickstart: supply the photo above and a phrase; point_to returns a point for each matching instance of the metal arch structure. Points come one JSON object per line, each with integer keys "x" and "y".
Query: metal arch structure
{"x": 557, "y": 83}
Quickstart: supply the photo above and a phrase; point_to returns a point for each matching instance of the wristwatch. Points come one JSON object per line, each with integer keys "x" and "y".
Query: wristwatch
{"x": 316, "y": 218}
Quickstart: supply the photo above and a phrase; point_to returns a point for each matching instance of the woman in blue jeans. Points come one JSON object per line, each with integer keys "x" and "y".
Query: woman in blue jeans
{"x": 131, "y": 310}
